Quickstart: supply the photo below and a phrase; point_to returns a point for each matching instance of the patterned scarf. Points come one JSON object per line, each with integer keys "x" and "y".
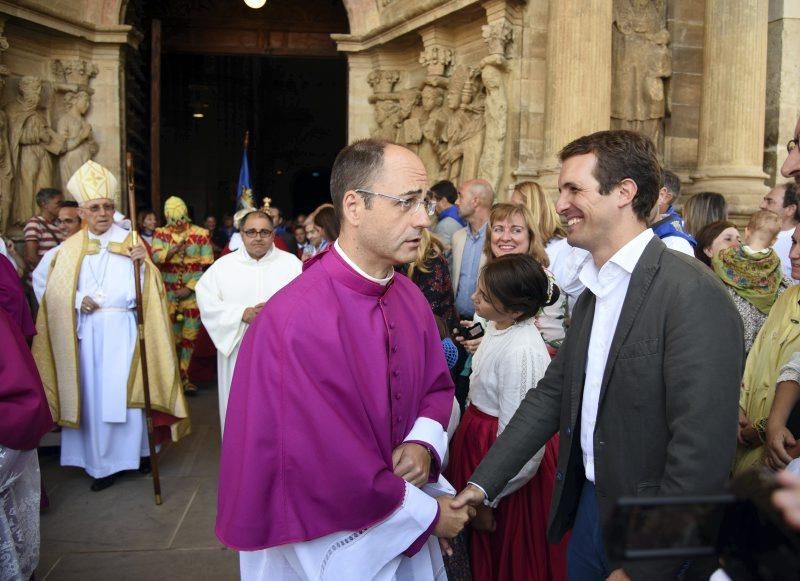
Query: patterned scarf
{"x": 756, "y": 278}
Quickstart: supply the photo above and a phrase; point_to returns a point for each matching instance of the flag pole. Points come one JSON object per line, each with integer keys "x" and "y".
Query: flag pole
{"x": 137, "y": 266}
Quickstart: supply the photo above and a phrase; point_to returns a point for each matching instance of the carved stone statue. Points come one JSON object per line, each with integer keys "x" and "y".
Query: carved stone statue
{"x": 79, "y": 143}
{"x": 641, "y": 62}
{"x": 463, "y": 134}
{"x": 433, "y": 124}
{"x": 6, "y": 167}
{"x": 31, "y": 141}
{"x": 493, "y": 75}
{"x": 387, "y": 115}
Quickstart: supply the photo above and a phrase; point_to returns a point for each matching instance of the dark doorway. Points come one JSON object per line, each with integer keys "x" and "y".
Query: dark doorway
{"x": 294, "y": 108}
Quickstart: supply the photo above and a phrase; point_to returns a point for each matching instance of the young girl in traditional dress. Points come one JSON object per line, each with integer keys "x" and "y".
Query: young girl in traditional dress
{"x": 508, "y": 539}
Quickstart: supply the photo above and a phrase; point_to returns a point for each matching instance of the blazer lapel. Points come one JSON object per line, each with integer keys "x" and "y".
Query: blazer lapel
{"x": 581, "y": 336}
{"x": 641, "y": 279}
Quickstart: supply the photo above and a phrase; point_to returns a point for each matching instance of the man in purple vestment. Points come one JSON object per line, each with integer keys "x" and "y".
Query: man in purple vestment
{"x": 331, "y": 460}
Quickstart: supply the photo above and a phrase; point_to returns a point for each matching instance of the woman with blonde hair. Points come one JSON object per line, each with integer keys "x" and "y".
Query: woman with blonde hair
{"x": 565, "y": 261}
{"x": 431, "y": 274}
{"x": 703, "y": 208}
{"x": 512, "y": 230}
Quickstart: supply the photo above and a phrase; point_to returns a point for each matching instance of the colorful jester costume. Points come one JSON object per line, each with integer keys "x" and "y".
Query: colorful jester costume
{"x": 182, "y": 250}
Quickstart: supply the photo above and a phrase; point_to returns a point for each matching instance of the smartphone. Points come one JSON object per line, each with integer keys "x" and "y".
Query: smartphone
{"x": 473, "y": 332}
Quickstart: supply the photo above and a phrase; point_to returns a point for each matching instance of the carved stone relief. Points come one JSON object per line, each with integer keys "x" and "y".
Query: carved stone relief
{"x": 32, "y": 143}
{"x": 6, "y": 166}
{"x": 641, "y": 62}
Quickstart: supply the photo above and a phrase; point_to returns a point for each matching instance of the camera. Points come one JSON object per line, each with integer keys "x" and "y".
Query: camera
{"x": 740, "y": 528}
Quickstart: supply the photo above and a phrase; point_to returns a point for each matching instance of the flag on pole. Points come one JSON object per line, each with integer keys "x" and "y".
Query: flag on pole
{"x": 244, "y": 191}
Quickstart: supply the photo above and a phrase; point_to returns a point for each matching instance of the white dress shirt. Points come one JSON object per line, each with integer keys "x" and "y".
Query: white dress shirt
{"x": 782, "y": 247}
{"x": 609, "y": 284}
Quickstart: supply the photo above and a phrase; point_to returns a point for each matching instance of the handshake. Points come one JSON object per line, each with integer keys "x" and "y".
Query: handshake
{"x": 456, "y": 512}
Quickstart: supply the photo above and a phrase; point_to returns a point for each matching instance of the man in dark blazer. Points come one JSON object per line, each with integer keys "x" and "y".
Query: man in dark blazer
{"x": 644, "y": 391}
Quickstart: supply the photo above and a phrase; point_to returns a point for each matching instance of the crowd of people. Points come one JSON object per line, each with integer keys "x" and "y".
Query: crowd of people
{"x": 490, "y": 372}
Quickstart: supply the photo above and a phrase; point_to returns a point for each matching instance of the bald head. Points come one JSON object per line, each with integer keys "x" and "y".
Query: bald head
{"x": 475, "y": 199}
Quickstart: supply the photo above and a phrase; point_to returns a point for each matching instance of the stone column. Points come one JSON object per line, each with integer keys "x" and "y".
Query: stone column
{"x": 731, "y": 144}
{"x": 578, "y": 98}
{"x": 359, "y": 109}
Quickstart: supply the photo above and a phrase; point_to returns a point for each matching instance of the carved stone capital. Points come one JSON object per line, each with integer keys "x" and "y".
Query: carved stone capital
{"x": 383, "y": 81}
{"x": 436, "y": 59}
{"x": 73, "y": 75}
{"x": 498, "y": 36}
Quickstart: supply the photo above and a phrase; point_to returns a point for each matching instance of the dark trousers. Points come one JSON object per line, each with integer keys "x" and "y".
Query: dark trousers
{"x": 586, "y": 556}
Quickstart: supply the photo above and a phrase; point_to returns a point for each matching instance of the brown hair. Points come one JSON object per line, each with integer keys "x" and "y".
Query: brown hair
{"x": 356, "y": 166}
{"x": 517, "y": 282}
{"x": 325, "y": 219}
{"x": 622, "y": 155}
{"x": 429, "y": 248}
{"x": 706, "y": 236}
{"x": 702, "y": 209}
{"x": 504, "y": 212}
{"x": 543, "y": 210}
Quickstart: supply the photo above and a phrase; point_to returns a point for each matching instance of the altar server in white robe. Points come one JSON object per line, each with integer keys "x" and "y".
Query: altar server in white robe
{"x": 234, "y": 289}
{"x": 86, "y": 346}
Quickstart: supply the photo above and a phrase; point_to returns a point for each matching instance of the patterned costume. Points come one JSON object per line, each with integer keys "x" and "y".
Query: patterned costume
{"x": 180, "y": 270}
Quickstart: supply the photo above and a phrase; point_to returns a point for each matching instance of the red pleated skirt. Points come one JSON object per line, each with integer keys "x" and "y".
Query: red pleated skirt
{"x": 518, "y": 549}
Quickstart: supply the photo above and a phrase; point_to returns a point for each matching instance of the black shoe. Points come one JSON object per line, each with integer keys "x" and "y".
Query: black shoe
{"x": 102, "y": 483}
{"x": 144, "y": 465}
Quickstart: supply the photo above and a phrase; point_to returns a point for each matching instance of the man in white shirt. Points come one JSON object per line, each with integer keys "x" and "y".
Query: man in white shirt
{"x": 644, "y": 391}
{"x": 782, "y": 200}
{"x": 234, "y": 290}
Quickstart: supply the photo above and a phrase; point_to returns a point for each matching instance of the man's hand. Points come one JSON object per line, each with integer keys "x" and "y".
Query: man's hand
{"x": 618, "y": 575}
{"x": 138, "y": 252}
{"x": 88, "y": 305}
{"x": 182, "y": 292}
{"x": 452, "y": 520}
{"x": 470, "y": 496}
{"x": 173, "y": 250}
{"x": 787, "y": 498}
{"x": 778, "y": 441}
{"x": 412, "y": 463}
{"x": 250, "y": 313}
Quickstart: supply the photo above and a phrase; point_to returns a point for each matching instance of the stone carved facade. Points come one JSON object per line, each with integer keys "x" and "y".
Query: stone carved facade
{"x": 6, "y": 165}
{"x": 641, "y": 62}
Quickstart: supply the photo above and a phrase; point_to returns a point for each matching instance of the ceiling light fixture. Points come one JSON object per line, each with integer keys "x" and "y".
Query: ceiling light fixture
{"x": 255, "y": 3}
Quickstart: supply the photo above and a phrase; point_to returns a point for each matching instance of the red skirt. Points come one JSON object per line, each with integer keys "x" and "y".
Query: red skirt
{"x": 518, "y": 548}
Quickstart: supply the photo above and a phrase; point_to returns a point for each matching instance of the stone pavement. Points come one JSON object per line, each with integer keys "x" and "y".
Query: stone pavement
{"x": 119, "y": 533}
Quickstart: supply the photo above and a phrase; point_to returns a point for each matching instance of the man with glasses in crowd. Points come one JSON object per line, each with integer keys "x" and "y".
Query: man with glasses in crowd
{"x": 85, "y": 348}
{"x": 182, "y": 251}
{"x": 235, "y": 288}
{"x": 331, "y": 458}
{"x": 68, "y": 223}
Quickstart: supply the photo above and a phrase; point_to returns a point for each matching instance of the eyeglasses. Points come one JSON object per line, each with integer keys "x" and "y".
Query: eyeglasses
{"x": 95, "y": 208}
{"x": 408, "y": 205}
{"x": 260, "y": 233}
{"x": 792, "y": 145}
{"x": 58, "y": 222}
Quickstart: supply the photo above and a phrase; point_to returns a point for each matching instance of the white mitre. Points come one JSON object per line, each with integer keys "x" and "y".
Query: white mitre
{"x": 91, "y": 182}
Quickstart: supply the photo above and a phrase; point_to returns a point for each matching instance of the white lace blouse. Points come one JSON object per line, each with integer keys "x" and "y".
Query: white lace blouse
{"x": 506, "y": 365}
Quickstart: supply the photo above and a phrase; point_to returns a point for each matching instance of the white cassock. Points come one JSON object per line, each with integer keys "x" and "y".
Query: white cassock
{"x": 375, "y": 553}
{"x": 112, "y": 437}
{"x": 233, "y": 283}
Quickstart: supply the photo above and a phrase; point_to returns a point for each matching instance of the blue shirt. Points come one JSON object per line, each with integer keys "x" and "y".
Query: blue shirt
{"x": 452, "y": 212}
{"x": 468, "y": 277}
